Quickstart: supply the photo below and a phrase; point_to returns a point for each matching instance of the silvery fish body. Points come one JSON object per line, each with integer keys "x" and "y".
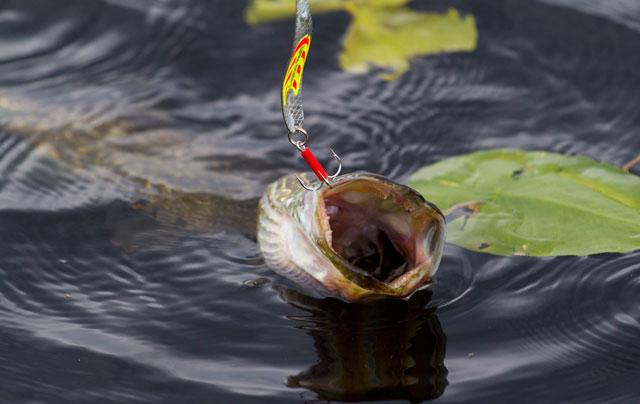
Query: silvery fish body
{"x": 364, "y": 237}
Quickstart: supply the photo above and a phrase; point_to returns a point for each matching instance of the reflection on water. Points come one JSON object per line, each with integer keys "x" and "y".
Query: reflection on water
{"x": 382, "y": 350}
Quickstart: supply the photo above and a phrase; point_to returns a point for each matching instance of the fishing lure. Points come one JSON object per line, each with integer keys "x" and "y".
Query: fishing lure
{"x": 292, "y": 99}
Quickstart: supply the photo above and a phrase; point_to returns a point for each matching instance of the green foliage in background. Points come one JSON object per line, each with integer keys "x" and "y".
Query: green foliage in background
{"x": 382, "y": 33}
{"x": 511, "y": 202}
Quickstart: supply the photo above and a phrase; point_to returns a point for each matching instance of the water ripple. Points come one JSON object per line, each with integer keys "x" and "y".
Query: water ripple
{"x": 575, "y": 316}
{"x": 136, "y": 135}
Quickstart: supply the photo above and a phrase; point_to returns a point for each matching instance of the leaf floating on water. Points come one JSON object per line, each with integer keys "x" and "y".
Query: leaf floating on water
{"x": 389, "y": 37}
{"x": 535, "y": 203}
{"x": 383, "y": 33}
{"x": 263, "y": 11}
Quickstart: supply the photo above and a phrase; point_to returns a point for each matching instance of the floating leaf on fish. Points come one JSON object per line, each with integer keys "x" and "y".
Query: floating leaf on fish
{"x": 535, "y": 203}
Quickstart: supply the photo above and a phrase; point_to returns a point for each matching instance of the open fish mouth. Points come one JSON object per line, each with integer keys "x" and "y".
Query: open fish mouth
{"x": 385, "y": 235}
{"x": 364, "y": 237}
{"x": 370, "y": 230}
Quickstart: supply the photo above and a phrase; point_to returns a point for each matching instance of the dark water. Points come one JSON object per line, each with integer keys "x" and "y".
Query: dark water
{"x": 136, "y": 135}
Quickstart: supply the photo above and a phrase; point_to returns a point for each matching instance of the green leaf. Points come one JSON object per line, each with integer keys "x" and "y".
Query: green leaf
{"x": 382, "y": 33}
{"x": 535, "y": 203}
{"x": 262, "y": 11}
{"x": 389, "y": 37}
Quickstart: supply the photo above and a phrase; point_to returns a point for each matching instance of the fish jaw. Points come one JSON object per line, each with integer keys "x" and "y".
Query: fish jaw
{"x": 289, "y": 241}
{"x": 365, "y": 237}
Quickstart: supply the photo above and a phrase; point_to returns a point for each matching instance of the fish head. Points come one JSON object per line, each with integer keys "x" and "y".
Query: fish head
{"x": 364, "y": 237}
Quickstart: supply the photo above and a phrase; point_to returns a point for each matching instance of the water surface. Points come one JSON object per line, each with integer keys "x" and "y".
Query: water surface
{"x": 135, "y": 136}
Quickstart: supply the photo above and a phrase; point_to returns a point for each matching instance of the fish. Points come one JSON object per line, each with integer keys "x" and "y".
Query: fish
{"x": 177, "y": 195}
{"x": 365, "y": 237}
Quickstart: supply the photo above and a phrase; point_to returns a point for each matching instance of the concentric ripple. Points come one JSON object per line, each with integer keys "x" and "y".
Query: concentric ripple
{"x": 566, "y": 326}
{"x": 135, "y": 137}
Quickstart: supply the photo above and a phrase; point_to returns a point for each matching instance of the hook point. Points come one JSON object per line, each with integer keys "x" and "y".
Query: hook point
{"x": 308, "y": 188}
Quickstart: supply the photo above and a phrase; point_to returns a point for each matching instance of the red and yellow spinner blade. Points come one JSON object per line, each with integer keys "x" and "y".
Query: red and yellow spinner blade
{"x": 293, "y": 76}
